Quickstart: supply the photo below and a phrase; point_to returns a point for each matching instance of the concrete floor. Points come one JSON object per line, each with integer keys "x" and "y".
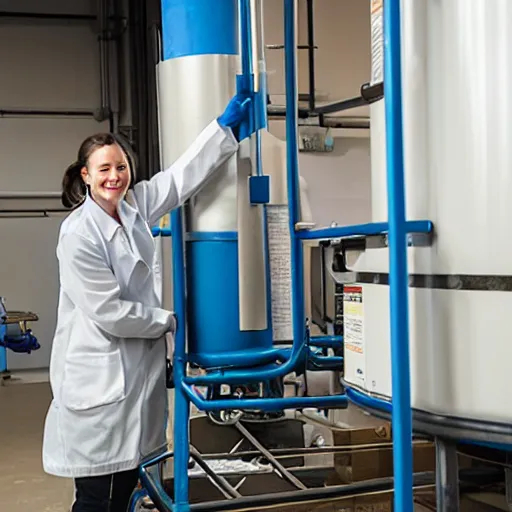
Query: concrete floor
{"x": 24, "y": 487}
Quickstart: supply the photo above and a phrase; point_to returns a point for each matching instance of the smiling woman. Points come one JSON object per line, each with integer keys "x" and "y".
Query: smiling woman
{"x": 108, "y": 364}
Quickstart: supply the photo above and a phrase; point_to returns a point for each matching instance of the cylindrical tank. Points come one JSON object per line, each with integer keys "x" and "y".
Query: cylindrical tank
{"x": 197, "y": 78}
{"x": 456, "y": 64}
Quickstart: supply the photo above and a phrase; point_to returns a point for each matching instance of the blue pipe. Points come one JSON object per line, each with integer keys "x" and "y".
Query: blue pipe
{"x": 370, "y": 229}
{"x": 326, "y": 341}
{"x": 299, "y": 328}
{"x": 269, "y": 371}
{"x": 266, "y": 404}
{"x": 156, "y": 231}
{"x": 372, "y": 403}
{"x": 398, "y": 272}
{"x": 373, "y": 228}
{"x": 181, "y": 404}
{"x": 244, "y": 7}
{"x": 292, "y": 168}
{"x": 3, "y": 350}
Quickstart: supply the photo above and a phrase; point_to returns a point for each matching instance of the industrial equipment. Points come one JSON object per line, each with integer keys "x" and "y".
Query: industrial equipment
{"x": 238, "y": 256}
{"x": 15, "y": 334}
{"x": 457, "y": 162}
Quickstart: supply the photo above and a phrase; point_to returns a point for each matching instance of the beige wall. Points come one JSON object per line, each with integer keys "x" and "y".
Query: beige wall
{"x": 339, "y": 182}
{"x": 44, "y": 65}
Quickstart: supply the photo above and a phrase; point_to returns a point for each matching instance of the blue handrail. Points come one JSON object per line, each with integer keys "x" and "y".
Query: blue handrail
{"x": 398, "y": 273}
{"x": 181, "y": 405}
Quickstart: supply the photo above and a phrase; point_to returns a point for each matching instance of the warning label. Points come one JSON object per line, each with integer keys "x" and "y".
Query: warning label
{"x": 353, "y": 335}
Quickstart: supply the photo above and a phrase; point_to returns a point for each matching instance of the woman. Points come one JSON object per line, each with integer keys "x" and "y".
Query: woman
{"x": 107, "y": 368}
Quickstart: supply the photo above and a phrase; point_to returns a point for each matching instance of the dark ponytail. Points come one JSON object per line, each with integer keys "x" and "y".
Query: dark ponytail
{"x": 74, "y": 189}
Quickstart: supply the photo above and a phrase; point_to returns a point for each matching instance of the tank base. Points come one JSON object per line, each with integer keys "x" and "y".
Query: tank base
{"x": 466, "y": 431}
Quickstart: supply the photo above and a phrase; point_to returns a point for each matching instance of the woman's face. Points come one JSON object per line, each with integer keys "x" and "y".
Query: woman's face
{"x": 108, "y": 176}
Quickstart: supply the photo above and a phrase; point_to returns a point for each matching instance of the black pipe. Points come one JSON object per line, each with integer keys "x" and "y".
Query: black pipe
{"x": 281, "y": 47}
{"x": 277, "y": 111}
{"x": 469, "y": 478}
{"x": 52, "y": 16}
{"x": 226, "y": 488}
{"x": 300, "y": 496}
{"x": 348, "y": 123}
{"x": 43, "y": 112}
{"x": 309, "y": 495}
{"x": 311, "y": 54}
{"x": 369, "y": 94}
{"x": 372, "y": 93}
{"x": 48, "y": 16}
{"x": 341, "y": 106}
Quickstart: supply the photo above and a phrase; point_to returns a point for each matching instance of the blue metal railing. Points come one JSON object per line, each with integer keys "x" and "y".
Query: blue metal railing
{"x": 301, "y": 350}
{"x": 398, "y": 272}
{"x": 3, "y": 350}
{"x": 181, "y": 404}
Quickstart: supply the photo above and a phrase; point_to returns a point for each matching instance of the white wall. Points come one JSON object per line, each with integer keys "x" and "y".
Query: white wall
{"x": 44, "y": 65}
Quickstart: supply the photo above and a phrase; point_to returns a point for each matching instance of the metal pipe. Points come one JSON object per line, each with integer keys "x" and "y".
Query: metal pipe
{"x": 30, "y": 195}
{"x": 297, "y": 259}
{"x": 181, "y": 404}
{"x": 104, "y": 111}
{"x": 311, "y": 53}
{"x": 259, "y": 502}
{"x": 447, "y": 476}
{"x": 347, "y": 124}
{"x": 264, "y": 404}
{"x": 222, "y": 484}
{"x": 373, "y": 228}
{"x": 47, "y": 16}
{"x": 326, "y": 341}
{"x": 35, "y": 210}
{"x": 399, "y": 302}
{"x": 245, "y": 38}
{"x": 273, "y": 461}
{"x": 281, "y": 46}
{"x": 4, "y": 112}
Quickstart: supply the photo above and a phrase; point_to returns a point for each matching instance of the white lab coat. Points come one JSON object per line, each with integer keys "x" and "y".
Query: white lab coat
{"x": 107, "y": 369}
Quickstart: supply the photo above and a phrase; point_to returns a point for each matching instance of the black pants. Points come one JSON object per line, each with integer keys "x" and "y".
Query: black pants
{"x": 109, "y": 493}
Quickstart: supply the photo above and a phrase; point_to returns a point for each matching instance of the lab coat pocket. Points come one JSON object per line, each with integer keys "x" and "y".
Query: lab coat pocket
{"x": 93, "y": 380}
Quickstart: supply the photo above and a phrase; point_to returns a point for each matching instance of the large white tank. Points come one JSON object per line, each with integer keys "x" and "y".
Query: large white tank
{"x": 457, "y": 72}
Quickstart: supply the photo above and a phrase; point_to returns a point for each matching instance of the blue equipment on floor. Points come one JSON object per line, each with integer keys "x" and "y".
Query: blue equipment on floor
{"x": 14, "y": 334}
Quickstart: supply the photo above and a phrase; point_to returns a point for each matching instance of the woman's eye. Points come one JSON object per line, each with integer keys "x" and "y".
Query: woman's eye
{"x": 121, "y": 168}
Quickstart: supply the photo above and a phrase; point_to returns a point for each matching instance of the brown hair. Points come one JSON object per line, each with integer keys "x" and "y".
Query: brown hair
{"x": 74, "y": 190}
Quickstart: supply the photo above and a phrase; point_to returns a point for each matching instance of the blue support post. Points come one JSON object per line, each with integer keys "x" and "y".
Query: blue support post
{"x": 181, "y": 403}
{"x": 398, "y": 273}
{"x": 3, "y": 352}
{"x": 292, "y": 167}
{"x": 3, "y": 333}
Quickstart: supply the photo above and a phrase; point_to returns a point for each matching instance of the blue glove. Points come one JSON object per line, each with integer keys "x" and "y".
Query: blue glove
{"x": 236, "y": 113}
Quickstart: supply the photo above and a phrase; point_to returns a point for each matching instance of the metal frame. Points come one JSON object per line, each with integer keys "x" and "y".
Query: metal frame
{"x": 300, "y": 352}
{"x": 153, "y": 486}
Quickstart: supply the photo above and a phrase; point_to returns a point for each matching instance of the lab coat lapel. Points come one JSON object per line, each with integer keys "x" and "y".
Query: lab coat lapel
{"x": 141, "y": 238}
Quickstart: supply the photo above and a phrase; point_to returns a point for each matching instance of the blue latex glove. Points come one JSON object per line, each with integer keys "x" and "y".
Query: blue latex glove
{"x": 236, "y": 113}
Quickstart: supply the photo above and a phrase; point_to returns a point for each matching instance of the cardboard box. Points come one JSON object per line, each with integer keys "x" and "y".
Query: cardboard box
{"x": 378, "y": 463}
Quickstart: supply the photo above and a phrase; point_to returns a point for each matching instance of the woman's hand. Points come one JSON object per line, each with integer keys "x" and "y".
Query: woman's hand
{"x": 237, "y": 111}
